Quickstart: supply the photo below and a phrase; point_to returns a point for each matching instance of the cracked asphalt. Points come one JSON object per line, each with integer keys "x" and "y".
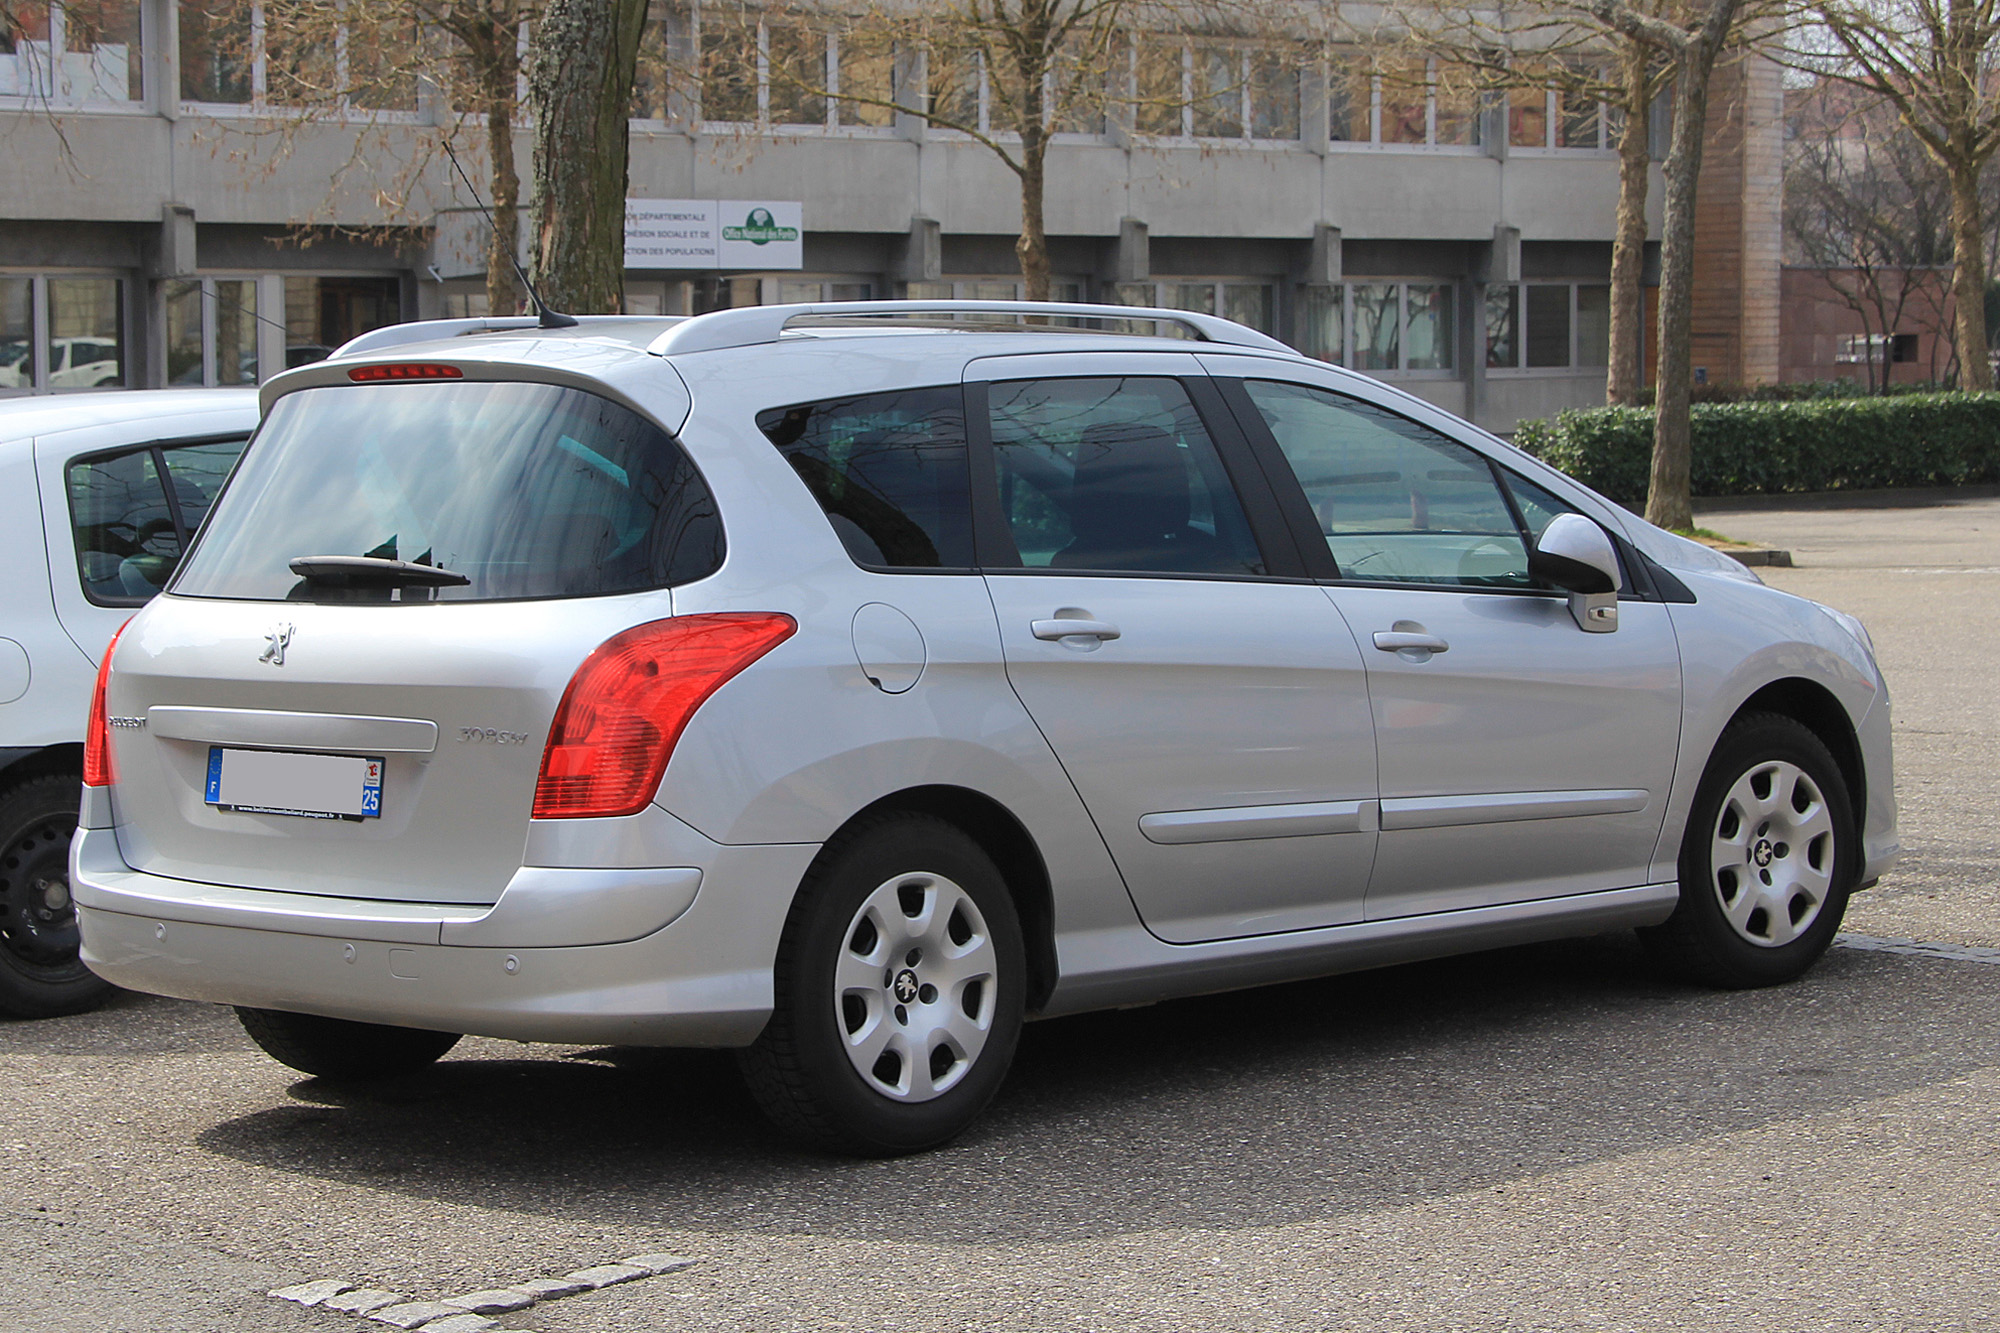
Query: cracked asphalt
{"x": 1542, "y": 1138}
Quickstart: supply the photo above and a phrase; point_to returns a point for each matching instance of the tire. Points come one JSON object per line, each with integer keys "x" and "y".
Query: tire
{"x": 900, "y": 981}
{"x": 1767, "y": 862}
{"x": 337, "y": 1048}
{"x": 41, "y": 975}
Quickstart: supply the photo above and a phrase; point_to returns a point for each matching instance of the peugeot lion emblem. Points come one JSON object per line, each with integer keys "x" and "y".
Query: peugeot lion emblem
{"x": 280, "y": 637}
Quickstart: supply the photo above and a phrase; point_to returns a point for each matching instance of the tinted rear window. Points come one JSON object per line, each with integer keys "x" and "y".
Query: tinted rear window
{"x": 889, "y": 469}
{"x": 529, "y": 490}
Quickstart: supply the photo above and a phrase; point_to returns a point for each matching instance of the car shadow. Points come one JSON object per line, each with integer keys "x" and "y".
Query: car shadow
{"x": 1257, "y": 1108}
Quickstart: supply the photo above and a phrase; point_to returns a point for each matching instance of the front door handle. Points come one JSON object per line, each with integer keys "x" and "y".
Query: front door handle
{"x": 1401, "y": 641}
{"x": 1062, "y": 629}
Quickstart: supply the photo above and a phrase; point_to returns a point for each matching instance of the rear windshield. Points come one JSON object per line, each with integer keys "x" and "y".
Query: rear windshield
{"x": 528, "y": 490}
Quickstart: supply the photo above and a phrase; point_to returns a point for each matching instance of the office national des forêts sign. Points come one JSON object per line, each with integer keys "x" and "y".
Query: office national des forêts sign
{"x": 742, "y": 234}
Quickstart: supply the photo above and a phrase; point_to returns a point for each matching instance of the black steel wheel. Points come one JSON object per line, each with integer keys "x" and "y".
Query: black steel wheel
{"x": 41, "y": 975}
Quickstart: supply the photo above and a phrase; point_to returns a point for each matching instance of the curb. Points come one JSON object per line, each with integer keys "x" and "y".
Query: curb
{"x": 1759, "y": 558}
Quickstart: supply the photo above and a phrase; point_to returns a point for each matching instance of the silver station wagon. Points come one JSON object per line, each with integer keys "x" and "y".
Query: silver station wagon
{"x": 848, "y": 683}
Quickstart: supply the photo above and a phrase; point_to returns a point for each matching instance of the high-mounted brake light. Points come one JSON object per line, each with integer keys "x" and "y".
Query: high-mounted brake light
{"x": 628, "y": 703}
{"x": 405, "y": 370}
{"x": 98, "y": 770}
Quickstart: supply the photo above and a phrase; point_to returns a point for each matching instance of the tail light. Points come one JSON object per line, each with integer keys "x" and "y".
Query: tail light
{"x": 97, "y": 768}
{"x": 628, "y": 703}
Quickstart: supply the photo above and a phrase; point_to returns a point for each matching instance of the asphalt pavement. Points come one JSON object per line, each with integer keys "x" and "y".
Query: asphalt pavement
{"x": 1542, "y": 1138}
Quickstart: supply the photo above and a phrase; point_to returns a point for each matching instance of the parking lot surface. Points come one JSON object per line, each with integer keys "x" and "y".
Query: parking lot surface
{"x": 1544, "y": 1138}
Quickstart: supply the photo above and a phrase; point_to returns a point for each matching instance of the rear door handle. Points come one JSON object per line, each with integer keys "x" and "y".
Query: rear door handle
{"x": 1396, "y": 641}
{"x": 1063, "y": 629}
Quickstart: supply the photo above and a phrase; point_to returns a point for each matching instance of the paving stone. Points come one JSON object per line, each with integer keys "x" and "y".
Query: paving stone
{"x": 549, "y": 1288}
{"x": 415, "y": 1314}
{"x": 365, "y": 1301}
{"x": 312, "y": 1293}
{"x": 493, "y": 1300}
{"x": 607, "y": 1275}
{"x": 657, "y": 1264}
{"x": 461, "y": 1323}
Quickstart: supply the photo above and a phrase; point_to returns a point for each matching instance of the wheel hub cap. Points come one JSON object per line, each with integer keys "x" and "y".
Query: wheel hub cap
{"x": 915, "y": 987}
{"x": 1771, "y": 855}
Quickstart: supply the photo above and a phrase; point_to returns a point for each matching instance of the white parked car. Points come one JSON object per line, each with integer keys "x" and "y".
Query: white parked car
{"x": 847, "y": 692}
{"x": 90, "y": 529}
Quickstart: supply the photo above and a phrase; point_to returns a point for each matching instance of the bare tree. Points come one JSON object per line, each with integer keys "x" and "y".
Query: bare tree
{"x": 1867, "y": 207}
{"x": 1933, "y": 61}
{"x": 1693, "y": 45}
{"x": 1043, "y": 65}
{"x": 345, "y": 63}
{"x": 581, "y": 69}
{"x": 1551, "y": 43}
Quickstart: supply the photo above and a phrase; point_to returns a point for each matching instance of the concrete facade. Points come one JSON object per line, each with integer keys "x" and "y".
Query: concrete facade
{"x": 1419, "y": 263}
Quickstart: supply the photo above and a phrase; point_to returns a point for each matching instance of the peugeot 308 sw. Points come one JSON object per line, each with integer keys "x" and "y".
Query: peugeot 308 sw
{"x": 847, "y": 684}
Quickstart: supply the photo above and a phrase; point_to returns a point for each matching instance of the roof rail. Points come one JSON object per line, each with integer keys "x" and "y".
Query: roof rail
{"x": 433, "y": 330}
{"x": 749, "y": 326}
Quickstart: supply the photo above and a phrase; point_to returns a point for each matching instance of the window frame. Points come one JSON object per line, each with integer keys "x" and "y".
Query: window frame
{"x": 51, "y": 86}
{"x": 1371, "y": 79}
{"x": 159, "y": 450}
{"x": 994, "y": 550}
{"x": 1190, "y": 45}
{"x": 1521, "y": 369}
{"x": 344, "y": 111}
{"x": 1401, "y": 370}
{"x": 41, "y": 336}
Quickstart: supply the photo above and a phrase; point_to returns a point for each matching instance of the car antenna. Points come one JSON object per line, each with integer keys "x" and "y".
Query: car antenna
{"x": 550, "y": 319}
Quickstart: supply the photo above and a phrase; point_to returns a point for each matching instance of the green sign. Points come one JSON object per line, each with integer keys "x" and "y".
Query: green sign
{"x": 760, "y": 228}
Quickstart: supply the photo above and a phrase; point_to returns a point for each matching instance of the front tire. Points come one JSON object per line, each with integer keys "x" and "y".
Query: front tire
{"x": 900, "y": 985}
{"x": 1767, "y": 861}
{"x": 339, "y": 1048}
{"x": 41, "y": 975}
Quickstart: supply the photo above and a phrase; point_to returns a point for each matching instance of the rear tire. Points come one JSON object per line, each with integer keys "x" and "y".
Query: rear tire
{"x": 338, "y": 1048}
{"x": 1767, "y": 862}
{"x": 900, "y": 984}
{"x": 41, "y": 975}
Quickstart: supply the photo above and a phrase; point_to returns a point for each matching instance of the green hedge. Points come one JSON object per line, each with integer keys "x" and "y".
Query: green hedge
{"x": 1835, "y": 444}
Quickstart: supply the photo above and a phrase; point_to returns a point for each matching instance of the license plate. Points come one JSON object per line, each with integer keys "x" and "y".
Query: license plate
{"x": 281, "y": 782}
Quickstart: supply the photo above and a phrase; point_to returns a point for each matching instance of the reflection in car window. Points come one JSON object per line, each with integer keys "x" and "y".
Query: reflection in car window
{"x": 129, "y": 532}
{"x": 1396, "y": 501}
{"x": 1115, "y": 474}
{"x": 889, "y": 470}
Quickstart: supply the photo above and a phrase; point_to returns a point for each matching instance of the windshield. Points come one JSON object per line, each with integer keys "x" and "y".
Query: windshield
{"x": 528, "y": 490}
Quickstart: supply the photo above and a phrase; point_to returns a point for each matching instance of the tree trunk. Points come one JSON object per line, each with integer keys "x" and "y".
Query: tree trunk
{"x": 1033, "y": 246}
{"x": 1669, "y": 496}
{"x": 503, "y": 288}
{"x": 581, "y": 68}
{"x": 1628, "y": 249}
{"x": 1968, "y": 277}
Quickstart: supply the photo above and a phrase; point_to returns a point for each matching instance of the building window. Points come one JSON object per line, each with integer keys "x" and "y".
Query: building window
{"x": 77, "y": 51}
{"x": 321, "y": 313}
{"x": 1382, "y": 326}
{"x": 1548, "y": 326}
{"x": 1551, "y": 117}
{"x": 234, "y": 54}
{"x": 212, "y": 331}
{"x": 1196, "y": 88}
{"x": 61, "y": 331}
{"x": 1868, "y": 348}
{"x": 1247, "y": 302}
{"x": 785, "y": 74}
{"x": 1412, "y": 104}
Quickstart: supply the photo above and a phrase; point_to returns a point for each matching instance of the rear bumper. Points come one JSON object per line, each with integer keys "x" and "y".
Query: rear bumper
{"x": 703, "y": 979}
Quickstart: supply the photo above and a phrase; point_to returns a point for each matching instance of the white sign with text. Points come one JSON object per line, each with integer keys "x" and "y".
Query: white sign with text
{"x": 714, "y": 234}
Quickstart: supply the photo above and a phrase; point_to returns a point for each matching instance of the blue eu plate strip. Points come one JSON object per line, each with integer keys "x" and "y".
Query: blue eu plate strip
{"x": 214, "y": 775}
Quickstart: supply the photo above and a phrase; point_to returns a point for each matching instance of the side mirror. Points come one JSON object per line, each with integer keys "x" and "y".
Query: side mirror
{"x": 1574, "y": 554}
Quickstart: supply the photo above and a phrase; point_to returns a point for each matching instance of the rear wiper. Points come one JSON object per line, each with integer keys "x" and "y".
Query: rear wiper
{"x": 351, "y": 569}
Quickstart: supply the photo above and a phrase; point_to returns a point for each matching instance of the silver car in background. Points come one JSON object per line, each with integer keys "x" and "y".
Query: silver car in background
{"x": 846, "y": 684}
